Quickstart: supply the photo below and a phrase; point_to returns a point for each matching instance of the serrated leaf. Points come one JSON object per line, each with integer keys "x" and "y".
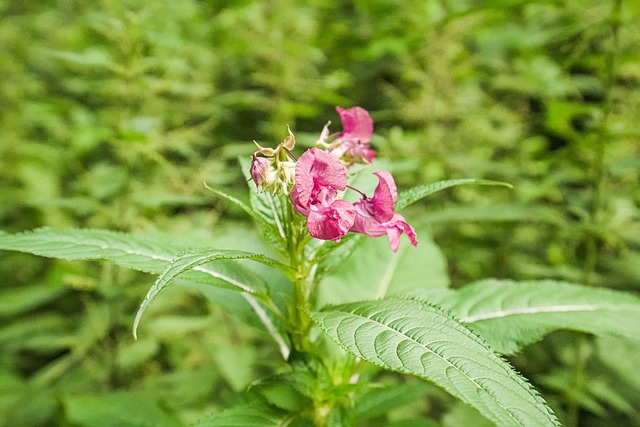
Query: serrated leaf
{"x": 88, "y": 244}
{"x": 125, "y": 250}
{"x": 193, "y": 258}
{"x": 414, "y": 194}
{"x": 415, "y": 338}
{"x": 511, "y": 315}
{"x": 138, "y": 253}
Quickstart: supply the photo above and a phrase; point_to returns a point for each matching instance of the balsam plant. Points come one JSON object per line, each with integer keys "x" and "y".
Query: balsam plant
{"x": 315, "y": 219}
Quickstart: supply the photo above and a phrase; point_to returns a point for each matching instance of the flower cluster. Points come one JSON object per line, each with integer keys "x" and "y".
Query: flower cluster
{"x": 320, "y": 176}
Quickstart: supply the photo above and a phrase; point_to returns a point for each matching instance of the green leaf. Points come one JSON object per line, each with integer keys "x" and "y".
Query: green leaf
{"x": 121, "y": 408}
{"x": 415, "y": 338}
{"x": 250, "y": 415}
{"x": 74, "y": 244}
{"x": 193, "y": 258}
{"x": 268, "y": 210}
{"x": 126, "y": 250}
{"x": 414, "y": 194}
{"x": 511, "y": 315}
{"x": 373, "y": 271}
{"x": 376, "y": 402}
{"x": 139, "y": 253}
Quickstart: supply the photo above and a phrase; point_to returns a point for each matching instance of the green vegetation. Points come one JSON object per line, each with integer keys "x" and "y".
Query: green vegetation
{"x": 114, "y": 114}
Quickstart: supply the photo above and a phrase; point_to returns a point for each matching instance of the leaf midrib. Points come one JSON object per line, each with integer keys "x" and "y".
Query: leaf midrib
{"x": 440, "y": 357}
{"x": 531, "y": 311}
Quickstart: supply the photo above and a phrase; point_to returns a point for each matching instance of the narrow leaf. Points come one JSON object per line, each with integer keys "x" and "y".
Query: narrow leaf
{"x": 415, "y": 338}
{"x": 414, "y": 194}
{"x": 193, "y": 258}
{"x": 511, "y": 315}
{"x": 236, "y": 202}
{"x": 120, "y": 248}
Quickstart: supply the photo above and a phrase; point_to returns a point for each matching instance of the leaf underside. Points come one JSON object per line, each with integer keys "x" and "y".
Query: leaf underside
{"x": 193, "y": 258}
{"x": 415, "y": 338}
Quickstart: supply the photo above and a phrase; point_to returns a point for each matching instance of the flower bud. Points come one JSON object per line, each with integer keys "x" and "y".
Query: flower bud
{"x": 259, "y": 169}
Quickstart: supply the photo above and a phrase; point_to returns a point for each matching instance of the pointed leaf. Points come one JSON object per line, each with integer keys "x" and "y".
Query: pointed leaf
{"x": 88, "y": 244}
{"x": 232, "y": 199}
{"x": 126, "y": 250}
{"x": 415, "y": 338}
{"x": 193, "y": 258}
{"x": 414, "y": 194}
{"x": 141, "y": 254}
{"x": 511, "y": 315}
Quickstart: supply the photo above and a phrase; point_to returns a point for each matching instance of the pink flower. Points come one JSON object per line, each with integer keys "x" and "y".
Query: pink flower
{"x": 318, "y": 178}
{"x": 358, "y": 130}
{"x": 317, "y": 170}
{"x": 375, "y": 216}
{"x": 331, "y": 221}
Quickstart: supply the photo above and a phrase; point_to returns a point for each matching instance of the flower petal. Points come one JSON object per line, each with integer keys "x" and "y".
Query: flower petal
{"x": 331, "y": 222}
{"x": 316, "y": 169}
{"x": 357, "y": 124}
{"x": 384, "y": 197}
{"x": 395, "y": 228}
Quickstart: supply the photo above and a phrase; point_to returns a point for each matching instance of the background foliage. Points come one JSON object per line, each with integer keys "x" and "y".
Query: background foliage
{"x": 113, "y": 114}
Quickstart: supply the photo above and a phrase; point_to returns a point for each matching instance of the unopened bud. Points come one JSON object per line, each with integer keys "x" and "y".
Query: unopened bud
{"x": 259, "y": 168}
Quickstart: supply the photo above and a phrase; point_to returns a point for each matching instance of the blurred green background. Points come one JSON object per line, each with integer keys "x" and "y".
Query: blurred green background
{"x": 114, "y": 113}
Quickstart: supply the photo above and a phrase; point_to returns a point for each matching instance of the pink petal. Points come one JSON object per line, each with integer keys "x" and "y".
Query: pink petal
{"x": 384, "y": 197}
{"x": 331, "y": 222}
{"x": 297, "y": 204}
{"x": 395, "y": 228}
{"x": 316, "y": 169}
{"x": 357, "y": 124}
{"x": 365, "y": 223}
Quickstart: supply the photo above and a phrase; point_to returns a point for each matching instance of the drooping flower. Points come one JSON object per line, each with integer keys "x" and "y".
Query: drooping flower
{"x": 375, "y": 216}
{"x": 356, "y": 124}
{"x": 352, "y": 144}
{"x": 357, "y": 132}
{"x": 318, "y": 178}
